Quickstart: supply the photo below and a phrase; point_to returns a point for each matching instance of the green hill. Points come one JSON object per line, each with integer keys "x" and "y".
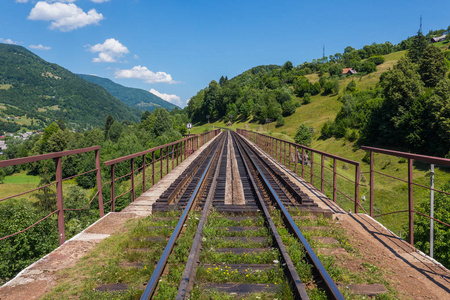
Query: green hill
{"x": 37, "y": 93}
{"x": 142, "y": 99}
{"x": 278, "y": 93}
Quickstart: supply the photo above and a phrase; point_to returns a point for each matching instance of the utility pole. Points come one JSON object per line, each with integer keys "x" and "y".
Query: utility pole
{"x": 431, "y": 210}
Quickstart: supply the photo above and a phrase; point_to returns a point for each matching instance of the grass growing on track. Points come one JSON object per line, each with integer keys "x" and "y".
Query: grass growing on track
{"x": 129, "y": 258}
{"x": 217, "y": 267}
{"x": 367, "y": 273}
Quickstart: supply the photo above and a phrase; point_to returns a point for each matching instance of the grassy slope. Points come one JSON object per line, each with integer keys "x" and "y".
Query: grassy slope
{"x": 389, "y": 195}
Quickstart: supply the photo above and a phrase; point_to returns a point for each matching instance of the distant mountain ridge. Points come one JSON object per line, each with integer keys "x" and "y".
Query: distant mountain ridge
{"x": 139, "y": 98}
{"x": 40, "y": 92}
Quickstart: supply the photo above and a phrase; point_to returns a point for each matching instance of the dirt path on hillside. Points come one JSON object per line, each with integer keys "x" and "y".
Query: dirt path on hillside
{"x": 411, "y": 273}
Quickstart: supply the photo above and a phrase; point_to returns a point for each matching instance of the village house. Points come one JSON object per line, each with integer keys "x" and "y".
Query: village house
{"x": 438, "y": 39}
{"x": 348, "y": 71}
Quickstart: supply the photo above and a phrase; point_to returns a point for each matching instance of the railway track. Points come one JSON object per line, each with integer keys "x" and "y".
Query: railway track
{"x": 245, "y": 244}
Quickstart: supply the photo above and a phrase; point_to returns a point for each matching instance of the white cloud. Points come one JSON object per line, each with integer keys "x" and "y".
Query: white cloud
{"x": 99, "y": 1}
{"x": 8, "y": 41}
{"x": 64, "y": 17}
{"x": 174, "y": 99}
{"x": 109, "y": 51}
{"x": 40, "y": 47}
{"x": 21, "y": 1}
{"x": 145, "y": 74}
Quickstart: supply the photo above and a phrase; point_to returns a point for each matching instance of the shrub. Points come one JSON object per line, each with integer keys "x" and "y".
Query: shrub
{"x": 288, "y": 108}
{"x": 368, "y": 67}
{"x": 303, "y": 135}
{"x": 328, "y": 87}
{"x": 353, "y": 136}
{"x": 325, "y": 131}
{"x": 280, "y": 121}
{"x": 376, "y": 59}
{"x": 351, "y": 86}
{"x": 307, "y": 98}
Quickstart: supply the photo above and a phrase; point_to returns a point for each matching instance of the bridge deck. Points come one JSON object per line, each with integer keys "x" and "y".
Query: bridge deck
{"x": 413, "y": 274}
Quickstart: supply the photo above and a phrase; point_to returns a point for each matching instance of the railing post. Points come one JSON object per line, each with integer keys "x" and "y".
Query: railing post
{"x": 303, "y": 162}
{"x": 334, "y": 179}
{"x": 59, "y": 200}
{"x": 173, "y": 153}
{"x": 113, "y": 192}
{"x": 312, "y": 168}
{"x": 296, "y": 158}
{"x": 178, "y": 153}
{"x": 276, "y": 149}
{"x": 167, "y": 160}
{"x": 153, "y": 168}
{"x": 289, "y": 157}
{"x": 160, "y": 163}
{"x": 284, "y": 152}
{"x": 371, "y": 186}
{"x": 99, "y": 183}
{"x": 357, "y": 174}
{"x": 322, "y": 160}
{"x": 133, "y": 196}
{"x": 411, "y": 201}
{"x": 143, "y": 173}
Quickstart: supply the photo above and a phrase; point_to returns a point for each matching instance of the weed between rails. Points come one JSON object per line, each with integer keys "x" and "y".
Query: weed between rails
{"x": 216, "y": 267}
{"x": 223, "y": 273}
{"x": 169, "y": 282}
{"x": 127, "y": 258}
{"x": 366, "y": 274}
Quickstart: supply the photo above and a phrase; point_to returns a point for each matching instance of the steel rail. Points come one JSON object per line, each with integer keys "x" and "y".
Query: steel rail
{"x": 185, "y": 286}
{"x": 296, "y": 283}
{"x": 331, "y": 286}
{"x": 154, "y": 279}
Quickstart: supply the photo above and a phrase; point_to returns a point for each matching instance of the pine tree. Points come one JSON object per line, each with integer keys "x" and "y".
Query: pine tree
{"x": 432, "y": 67}
{"x": 418, "y": 45}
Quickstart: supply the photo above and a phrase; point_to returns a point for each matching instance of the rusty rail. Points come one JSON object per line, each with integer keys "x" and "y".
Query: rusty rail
{"x": 288, "y": 154}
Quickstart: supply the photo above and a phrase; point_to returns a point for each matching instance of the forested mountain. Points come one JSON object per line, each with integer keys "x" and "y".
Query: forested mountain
{"x": 142, "y": 99}
{"x": 42, "y": 92}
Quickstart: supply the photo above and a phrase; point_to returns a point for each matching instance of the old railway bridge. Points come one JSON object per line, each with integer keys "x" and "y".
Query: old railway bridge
{"x": 261, "y": 218}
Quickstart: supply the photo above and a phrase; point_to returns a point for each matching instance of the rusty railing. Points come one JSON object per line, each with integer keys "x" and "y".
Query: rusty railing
{"x": 410, "y": 157}
{"x": 165, "y": 155}
{"x": 288, "y": 154}
{"x": 57, "y": 157}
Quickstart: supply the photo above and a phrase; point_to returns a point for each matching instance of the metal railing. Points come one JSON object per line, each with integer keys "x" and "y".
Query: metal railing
{"x": 291, "y": 155}
{"x": 57, "y": 157}
{"x": 160, "y": 159}
{"x": 410, "y": 158}
{"x": 167, "y": 155}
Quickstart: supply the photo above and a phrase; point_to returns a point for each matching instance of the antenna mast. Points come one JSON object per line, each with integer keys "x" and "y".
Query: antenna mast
{"x": 420, "y": 29}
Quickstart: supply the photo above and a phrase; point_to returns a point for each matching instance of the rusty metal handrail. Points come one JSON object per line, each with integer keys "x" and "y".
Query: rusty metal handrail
{"x": 424, "y": 158}
{"x": 274, "y": 147}
{"x": 57, "y": 157}
{"x": 30, "y": 159}
{"x": 410, "y": 157}
{"x": 174, "y": 152}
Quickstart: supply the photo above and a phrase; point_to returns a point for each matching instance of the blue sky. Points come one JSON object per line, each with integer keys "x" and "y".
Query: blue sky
{"x": 175, "y": 48}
